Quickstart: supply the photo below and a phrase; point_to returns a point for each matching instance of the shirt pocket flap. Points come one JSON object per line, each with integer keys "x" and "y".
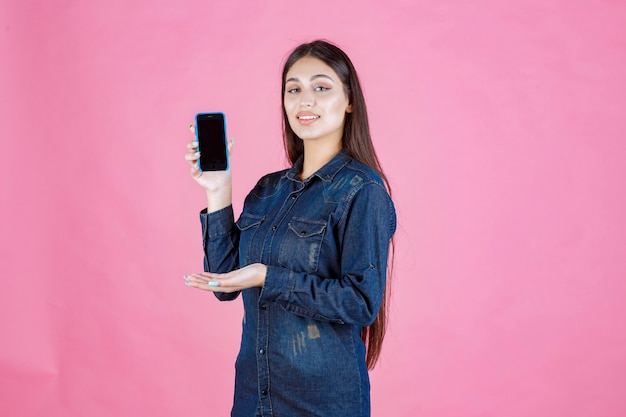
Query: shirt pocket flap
{"x": 247, "y": 221}
{"x": 306, "y": 228}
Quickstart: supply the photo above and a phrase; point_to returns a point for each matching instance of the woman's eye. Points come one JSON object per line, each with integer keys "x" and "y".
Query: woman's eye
{"x": 292, "y": 90}
{"x": 322, "y": 88}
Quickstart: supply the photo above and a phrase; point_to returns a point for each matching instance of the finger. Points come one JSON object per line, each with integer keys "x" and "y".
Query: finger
{"x": 196, "y": 278}
{"x": 205, "y": 277}
{"x": 220, "y": 286}
{"x": 197, "y": 282}
{"x": 193, "y": 164}
{"x": 227, "y": 282}
{"x": 194, "y": 284}
{"x": 192, "y": 156}
{"x": 208, "y": 285}
{"x": 209, "y": 275}
{"x": 192, "y": 128}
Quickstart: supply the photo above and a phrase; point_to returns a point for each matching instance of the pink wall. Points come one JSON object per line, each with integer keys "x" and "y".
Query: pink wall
{"x": 501, "y": 125}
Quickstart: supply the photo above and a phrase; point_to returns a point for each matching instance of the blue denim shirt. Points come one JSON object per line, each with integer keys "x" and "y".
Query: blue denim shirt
{"x": 325, "y": 241}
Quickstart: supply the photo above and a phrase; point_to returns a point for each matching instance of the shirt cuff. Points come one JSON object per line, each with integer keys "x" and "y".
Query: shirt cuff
{"x": 217, "y": 223}
{"x": 278, "y": 285}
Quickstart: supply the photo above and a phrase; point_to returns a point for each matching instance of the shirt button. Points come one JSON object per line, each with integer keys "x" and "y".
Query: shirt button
{"x": 263, "y": 307}
{"x": 274, "y": 228}
{"x": 264, "y": 392}
{"x": 262, "y": 351}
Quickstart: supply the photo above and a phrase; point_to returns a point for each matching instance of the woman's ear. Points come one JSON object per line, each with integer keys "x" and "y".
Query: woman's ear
{"x": 349, "y": 108}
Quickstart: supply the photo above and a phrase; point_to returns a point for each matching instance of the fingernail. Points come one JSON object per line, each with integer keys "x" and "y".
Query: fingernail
{"x": 186, "y": 277}
{"x": 195, "y": 143}
{"x": 213, "y": 284}
{"x": 196, "y": 154}
{"x": 187, "y": 283}
{"x": 190, "y": 125}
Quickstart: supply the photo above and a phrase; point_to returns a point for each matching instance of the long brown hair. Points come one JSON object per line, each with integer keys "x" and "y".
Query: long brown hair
{"x": 357, "y": 142}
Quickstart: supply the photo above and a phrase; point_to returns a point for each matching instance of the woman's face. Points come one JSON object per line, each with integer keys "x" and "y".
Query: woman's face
{"x": 315, "y": 101}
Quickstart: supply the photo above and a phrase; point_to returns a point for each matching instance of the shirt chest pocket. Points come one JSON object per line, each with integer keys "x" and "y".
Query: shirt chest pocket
{"x": 248, "y": 225}
{"x": 300, "y": 247}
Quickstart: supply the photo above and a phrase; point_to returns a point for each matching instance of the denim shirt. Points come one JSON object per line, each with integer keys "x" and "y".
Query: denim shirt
{"x": 325, "y": 241}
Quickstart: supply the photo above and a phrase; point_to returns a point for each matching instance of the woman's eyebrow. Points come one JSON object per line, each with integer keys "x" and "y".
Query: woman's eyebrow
{"x": 296, "y": 79}
{"x": 321, "y": 76}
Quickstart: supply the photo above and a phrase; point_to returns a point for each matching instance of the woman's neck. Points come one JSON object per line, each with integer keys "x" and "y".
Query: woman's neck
{"x": 316, "y": 155}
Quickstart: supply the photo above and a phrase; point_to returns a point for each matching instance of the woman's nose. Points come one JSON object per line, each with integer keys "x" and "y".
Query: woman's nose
{"x": 307, "y": 98}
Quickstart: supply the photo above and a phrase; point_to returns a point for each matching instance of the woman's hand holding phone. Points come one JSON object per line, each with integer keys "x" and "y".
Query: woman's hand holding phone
{"x": 218, "y": 184}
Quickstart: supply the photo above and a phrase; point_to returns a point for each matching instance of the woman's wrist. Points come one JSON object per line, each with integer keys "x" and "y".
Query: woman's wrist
{"x": 219, "y": 199}
{"x": 262, "y": 274}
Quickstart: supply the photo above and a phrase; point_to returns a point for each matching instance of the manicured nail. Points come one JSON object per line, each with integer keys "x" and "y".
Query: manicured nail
{"x": 196, "y": 154}
{"x": 187, "y": 283}
{"x": 213, "y": 284}
{"x": 195, "y": 143}
{"x": 186, "y": 277}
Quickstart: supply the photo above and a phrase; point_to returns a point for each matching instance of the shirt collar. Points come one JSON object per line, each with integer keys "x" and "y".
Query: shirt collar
{"x": 325, "y": 173}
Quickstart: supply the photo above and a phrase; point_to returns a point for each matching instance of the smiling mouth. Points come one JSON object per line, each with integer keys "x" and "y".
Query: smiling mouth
{"x": 307, "y": 118}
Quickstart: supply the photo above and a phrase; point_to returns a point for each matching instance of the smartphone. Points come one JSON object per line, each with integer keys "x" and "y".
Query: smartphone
{"x": 212, "y": 141}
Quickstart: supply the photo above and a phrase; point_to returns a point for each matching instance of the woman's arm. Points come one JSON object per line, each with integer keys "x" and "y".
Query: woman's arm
{"x": 220, "y": 241}
{"x": 356, "y": 295}
{"x": 219, "y": 235}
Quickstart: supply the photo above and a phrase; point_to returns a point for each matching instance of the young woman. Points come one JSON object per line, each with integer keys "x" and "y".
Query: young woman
{"x": 309, "y": 252}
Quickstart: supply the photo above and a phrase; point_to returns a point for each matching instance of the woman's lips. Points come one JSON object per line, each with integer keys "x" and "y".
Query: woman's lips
{"x": 306, "y": 118}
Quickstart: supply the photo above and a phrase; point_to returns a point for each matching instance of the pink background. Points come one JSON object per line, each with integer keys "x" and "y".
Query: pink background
{"x": 500, "y": 124}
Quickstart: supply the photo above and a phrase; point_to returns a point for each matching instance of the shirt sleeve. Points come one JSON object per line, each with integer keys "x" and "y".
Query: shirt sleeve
{"x": 220, "y": 241}
{"x": 355, "y": 296}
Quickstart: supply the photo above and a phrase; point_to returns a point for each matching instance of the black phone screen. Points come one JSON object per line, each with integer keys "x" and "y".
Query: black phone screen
{"x": 211, "y": 133}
